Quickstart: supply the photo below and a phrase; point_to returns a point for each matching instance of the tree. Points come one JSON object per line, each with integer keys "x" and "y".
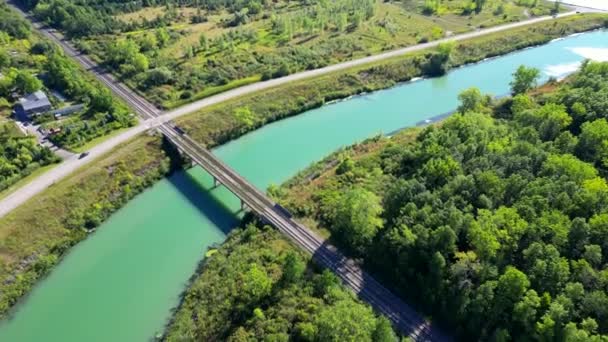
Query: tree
{"x": 439, "y": 61}
{"x": 526, "y": 310}
{"x": 567, "y": 166}
{"x": 524, "y": 79}
{"x": 158, "y": 76}
{"x": 121, "y": 52}
{"x": 384, "y": 331}
{"x": 479, "y": 5}
{"x": 162, "y": 36}
{"x": 345, "y": 322}
{"x": 511, "y": 287}
{"x": 188, "y": 52}
{"x": 202, "y": 40}
{"x": 293, "y": 268}
{"x": 324, "y": 282}
{"x": 497, "y": 234}
{"x": 5, "y": 59}
{"x": 549, "y": 120}
{"x": 471, "y": 100}
{"x": 593, "y": 141}
{"x": 283, "y": 70}
{"x": 27, "y": 83}
{"x": 256, "y": 283}
{"x": 593, "y": 255}
{"x": 547, "y": 270}
{"x": 101, "y": 100}
{"x": 431, "y": 6}
{"x": 342, "y": 22}
{"x": 556, "y": 7}
{"x": 140, "y": 62}
{"x": 306, "y": 331}
{"x": 148, "y": 42}
{"x": 244, "y": 116}
{"x": 358, "y": 217}
{"x": 440, "y": 170}
{"x": 520, "y": 103}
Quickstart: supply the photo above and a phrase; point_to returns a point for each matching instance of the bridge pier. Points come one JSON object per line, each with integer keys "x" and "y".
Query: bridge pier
{"x": 243, "y": 205}
{"x": 216, "y": 183}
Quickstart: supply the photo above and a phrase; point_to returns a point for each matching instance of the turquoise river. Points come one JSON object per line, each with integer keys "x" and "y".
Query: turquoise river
{"x": 122, "y": 283}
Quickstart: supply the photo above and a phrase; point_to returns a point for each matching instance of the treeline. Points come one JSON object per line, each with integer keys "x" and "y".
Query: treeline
{"x": 495, "y": 221}
{"x": 257, "y": 286}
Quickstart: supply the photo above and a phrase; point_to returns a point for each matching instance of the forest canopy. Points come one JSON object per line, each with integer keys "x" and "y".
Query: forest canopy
{"x": 257, "y": 286}
{"x": 495, "y": 221}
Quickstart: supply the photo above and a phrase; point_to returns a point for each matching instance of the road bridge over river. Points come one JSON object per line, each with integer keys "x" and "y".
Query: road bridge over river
{"x": 402, "y": 316}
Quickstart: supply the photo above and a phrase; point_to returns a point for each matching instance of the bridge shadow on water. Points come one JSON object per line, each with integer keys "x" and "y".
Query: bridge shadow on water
{"x": 202, "y": 198}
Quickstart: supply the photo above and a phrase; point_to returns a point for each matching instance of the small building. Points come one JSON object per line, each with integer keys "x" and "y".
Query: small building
{"x": 32, "y": 105}
{"x": 58, "y": 113}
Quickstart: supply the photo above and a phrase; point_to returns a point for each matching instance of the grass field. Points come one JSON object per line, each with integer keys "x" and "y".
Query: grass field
{"x": 284, "y": 38}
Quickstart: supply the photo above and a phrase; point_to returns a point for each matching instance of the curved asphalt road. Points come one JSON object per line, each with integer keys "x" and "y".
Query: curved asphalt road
{"x": 154, "y": 117}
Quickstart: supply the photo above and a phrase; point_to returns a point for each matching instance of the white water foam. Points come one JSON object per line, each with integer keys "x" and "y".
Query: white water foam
{"x": 595, "y": 54}
{"x": 561, "y": 70}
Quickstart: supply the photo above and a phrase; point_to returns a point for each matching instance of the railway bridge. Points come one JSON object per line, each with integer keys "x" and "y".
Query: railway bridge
{"x": 403, "y": 317}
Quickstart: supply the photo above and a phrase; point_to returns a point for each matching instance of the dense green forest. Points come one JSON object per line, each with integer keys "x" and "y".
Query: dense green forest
{"x": 257, "y": 286}
{"x": 29, "y": 63}
{"x": 176, "y": 51}
{"x": 494, "y": 221}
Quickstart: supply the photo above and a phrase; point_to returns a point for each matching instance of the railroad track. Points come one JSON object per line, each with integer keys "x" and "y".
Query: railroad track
{"x": 401, "y": 315}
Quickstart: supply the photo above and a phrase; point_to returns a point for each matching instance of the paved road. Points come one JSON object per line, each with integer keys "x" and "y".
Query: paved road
{"x": 403, "y": 317}
{"x": 153, "y": 116}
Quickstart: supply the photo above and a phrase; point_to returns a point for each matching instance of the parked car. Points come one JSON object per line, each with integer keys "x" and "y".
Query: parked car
{"x": 83, "y": 154}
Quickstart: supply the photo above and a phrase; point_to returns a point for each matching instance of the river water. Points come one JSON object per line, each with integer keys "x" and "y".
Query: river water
{"x": 123, "y": 281}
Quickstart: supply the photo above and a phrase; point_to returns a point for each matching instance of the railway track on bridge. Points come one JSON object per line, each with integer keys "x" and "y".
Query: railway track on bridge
{"x": 368, "y": 289}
